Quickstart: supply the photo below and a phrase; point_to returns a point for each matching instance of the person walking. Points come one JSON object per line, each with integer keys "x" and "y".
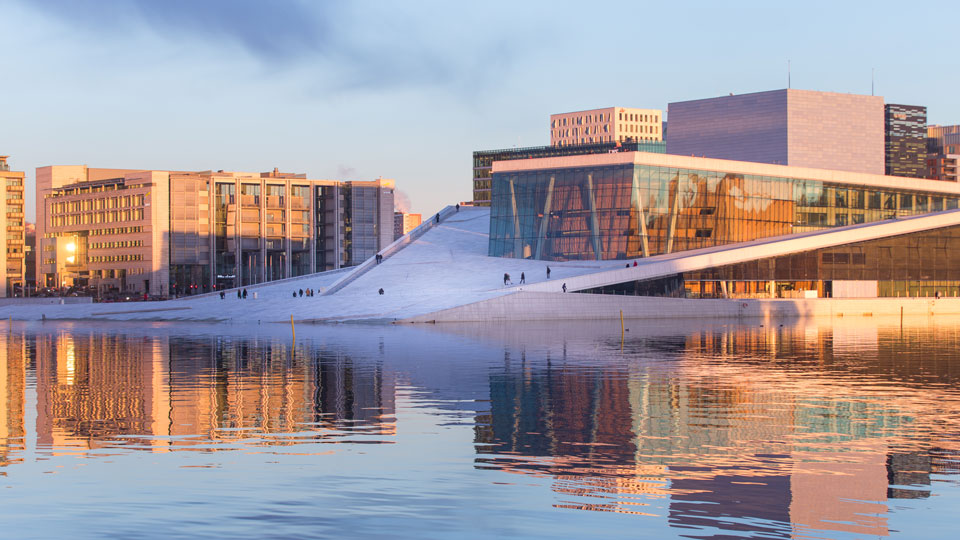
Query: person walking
{"x": 381, "y": 291}
{"x": 294, "y": 294}
{"x": 244, "y": 294}
{"x": 506, "y": 278}
{"x": 223, "y": 295}
{"x": 437, "y": 218}
{"x": 564, "y": 287}
{"x": 548, "y": 272}
{"x": 458, "y": 207}
{"x": 239, "y": 296}
{"x": 523, "y": 278}
{"x": 301, "y": 293}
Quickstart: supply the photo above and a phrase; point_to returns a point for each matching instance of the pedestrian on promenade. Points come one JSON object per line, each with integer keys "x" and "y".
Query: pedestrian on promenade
{"x": 506, "y": 278}
{"x": 294, "y": 294}
{"x": 437, "y": 218}
{"x": 244, "y": 294}
{"x": 458, "y": 207}
{"x": 239, "y": 296}
{"x": 381, "y": 291}
{"x": 523, "y": 278}
{"x": 301, "y": 293}
{"x": 548, "y": 272}
{"x": 222, "y": 295}
{"x": 564, "y": 287}
{"x": 634, "y": 263}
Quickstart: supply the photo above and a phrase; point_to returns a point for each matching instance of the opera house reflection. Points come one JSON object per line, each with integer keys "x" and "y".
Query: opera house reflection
{"x": 719, "y": 430}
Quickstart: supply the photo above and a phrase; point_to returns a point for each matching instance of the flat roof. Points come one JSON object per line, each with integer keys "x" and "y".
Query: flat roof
{"x": 728, "y": 166}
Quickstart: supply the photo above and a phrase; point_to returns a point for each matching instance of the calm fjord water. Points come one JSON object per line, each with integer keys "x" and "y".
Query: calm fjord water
{"x": 682, "y": 429}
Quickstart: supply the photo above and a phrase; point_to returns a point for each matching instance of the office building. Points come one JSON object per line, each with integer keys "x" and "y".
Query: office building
{"x": 905, "y": 139}
{"x": 802, "y": 128}
{"x": 943, "y": 152}
{"x": 12, "y": 240}
{"x": 612, "y": 124}
{"x": 161, "y": 233}
{"x": 404, "y": 222}
{"x": 631, "y": 204}
{"x": 483, "y": 159}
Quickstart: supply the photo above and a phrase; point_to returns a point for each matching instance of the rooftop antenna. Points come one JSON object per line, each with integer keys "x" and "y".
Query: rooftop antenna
{"x": 788, "y": 74}
{"x": 871, "y": 81}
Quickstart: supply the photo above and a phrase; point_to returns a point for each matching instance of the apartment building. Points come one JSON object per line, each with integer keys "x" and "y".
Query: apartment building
{"x": 163, "y": 233}
{"x": 12, "y": 238}
{"x": 612, "y": 124}
{"x": 404, "y": 222}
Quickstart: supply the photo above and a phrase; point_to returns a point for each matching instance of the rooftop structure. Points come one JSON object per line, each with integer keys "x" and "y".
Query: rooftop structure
{"x": 802, "y": 128}
{"x": 149, "y": 232}
{"x": 12, "y": 238}
{"x": 612, "y": 124}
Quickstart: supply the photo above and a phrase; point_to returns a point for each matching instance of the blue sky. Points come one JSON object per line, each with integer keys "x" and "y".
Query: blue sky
{"x": 407, "y": 90}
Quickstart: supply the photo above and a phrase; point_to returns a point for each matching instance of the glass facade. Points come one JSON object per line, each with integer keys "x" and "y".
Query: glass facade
{"x": 630, "y": 211}
{"x": 483, "y": 159}
{"x": 905, "y": 140}
{"x": 917, "y": 264}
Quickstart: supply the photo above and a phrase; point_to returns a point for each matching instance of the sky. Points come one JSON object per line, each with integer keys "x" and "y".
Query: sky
{"x": 408, "y": 90}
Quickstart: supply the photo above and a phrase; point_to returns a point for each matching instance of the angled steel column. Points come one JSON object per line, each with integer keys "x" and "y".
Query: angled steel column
{"x": 517, "y": 242}
{"x": 594, "y": 221}
{"x": 674, "y": 210}
{"x": 542, "y": 236}
{"x": 641, "y": 217}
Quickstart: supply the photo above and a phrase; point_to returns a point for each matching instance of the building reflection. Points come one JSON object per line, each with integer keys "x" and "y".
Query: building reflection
{"x": 747, "y": 430}
{"x": 99, "y": 390}
{"x": 13, "y": 355}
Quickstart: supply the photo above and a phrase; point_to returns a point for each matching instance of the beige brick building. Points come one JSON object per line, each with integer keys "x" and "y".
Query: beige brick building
{"x": 612, "y": 124}
{"x": 135, "y": 232}
{"x": 12, "y": 239}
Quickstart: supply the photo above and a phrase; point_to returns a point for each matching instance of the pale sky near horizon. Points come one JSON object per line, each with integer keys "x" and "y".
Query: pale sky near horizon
{"x": 407, "y": 90}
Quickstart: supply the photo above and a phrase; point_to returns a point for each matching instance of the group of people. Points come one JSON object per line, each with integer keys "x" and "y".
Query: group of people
{"x": 379, "y": 258}
{"x": 308, "y": 292}
{"x": 523, "y": 279}
{"x": 240, "y": 294}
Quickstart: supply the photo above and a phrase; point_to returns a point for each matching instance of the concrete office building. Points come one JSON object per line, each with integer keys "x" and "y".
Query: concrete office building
{"x": 12, "y": 238}
{"x": 802, "y": 128}
{"x": 905, "y": 139}
{"x": 404, "y": 222}
{"x": 612, "y": 124}
{"x": 122, "y": 231}
{"x": 483, "y": 159}
{"x": 943, "y": 152}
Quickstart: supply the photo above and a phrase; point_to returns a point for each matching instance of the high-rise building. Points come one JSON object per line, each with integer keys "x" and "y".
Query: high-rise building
{"x": 905, "y": 139}
{"x": 404, "y": 222}
{"x": 803, "y": 128}
{"x": 483, "y": 159}
{"x": 612, "y": 124}
{"x": 120, "y": 231}
{"x": 11, "y": 239}
{"x": 943, "y": 152}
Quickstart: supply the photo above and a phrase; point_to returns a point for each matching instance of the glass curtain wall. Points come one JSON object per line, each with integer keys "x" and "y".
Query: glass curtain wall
{"x": 631, "y": 211}
{"x": 225, "y": 215}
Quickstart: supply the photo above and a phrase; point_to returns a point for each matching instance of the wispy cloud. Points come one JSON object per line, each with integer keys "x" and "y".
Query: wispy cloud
{"x": 348, "y": 46}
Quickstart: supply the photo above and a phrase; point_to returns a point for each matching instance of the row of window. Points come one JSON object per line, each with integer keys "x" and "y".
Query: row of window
{"x": 110, "y": 216}
{"x": 113, "y": 245}
{"x": 104, "y": 203}
{"x": 87, "y": 189}
{"x": 115, "y": 258}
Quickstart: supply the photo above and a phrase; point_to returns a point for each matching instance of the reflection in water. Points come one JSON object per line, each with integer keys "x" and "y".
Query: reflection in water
{"x": 716, "y": 430}
{"x": 96, "y": 390}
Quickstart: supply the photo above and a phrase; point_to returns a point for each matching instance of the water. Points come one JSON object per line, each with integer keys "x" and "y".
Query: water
{"x": 682, "y": 429}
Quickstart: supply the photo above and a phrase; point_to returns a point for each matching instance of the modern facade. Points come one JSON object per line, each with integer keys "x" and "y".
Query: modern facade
{"x": 943, "y": 152}
{"x": 12, "y": 239}
{"x": 801, "y": 128}
{"x": 631, "y": 205}
{"x": 404, "y": 222}
{"x": 161, "y": 233}
{"x": 483, "y": 159}
{"x": 612, "y": 124}
{"x": 905, "y": 138}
